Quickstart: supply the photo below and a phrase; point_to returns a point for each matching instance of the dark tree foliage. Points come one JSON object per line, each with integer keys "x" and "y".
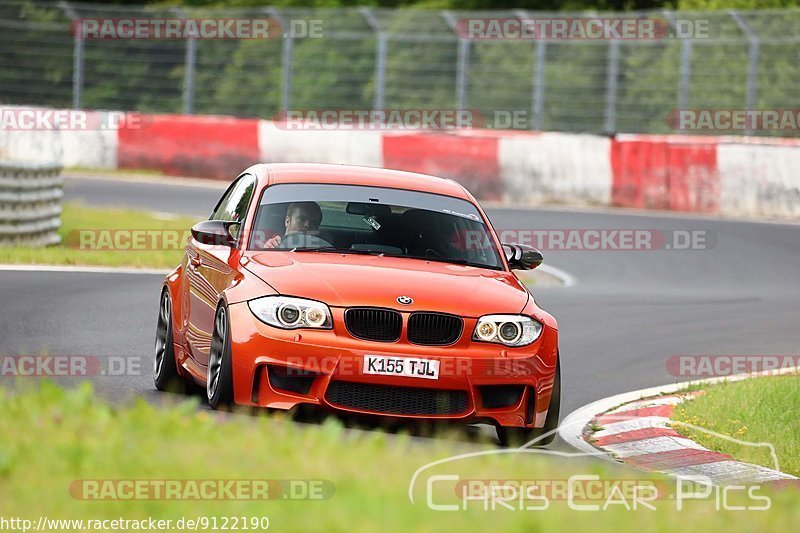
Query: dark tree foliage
{"x": 534, "y": 5}
{"x": 538, "y": 5}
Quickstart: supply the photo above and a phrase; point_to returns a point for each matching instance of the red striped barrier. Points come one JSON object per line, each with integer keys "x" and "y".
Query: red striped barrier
{"x": 662, "y": 173}
{"x": 182, "y": 145}
{"x": 470, "y": 159}
{"x": 734, "y": 176}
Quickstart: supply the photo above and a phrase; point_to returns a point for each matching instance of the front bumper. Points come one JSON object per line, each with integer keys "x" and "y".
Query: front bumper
{"x": 282, "y": 369}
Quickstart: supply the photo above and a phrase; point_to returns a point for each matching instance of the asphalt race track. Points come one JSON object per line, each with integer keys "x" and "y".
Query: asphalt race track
{"x": 628, "y": 313}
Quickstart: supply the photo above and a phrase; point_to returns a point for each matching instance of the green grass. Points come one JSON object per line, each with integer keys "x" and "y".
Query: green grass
{"x": 755, "y": 410}
{"x": 76, "y": 218}
{"x": 115, "y": 171}
{"x": 52, "y": 437}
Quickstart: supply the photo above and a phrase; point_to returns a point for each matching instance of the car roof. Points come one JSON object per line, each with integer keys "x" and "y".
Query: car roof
{"x": 362, "y": 175}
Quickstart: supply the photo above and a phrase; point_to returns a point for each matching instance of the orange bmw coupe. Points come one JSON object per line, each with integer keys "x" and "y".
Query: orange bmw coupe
{"x": 362, "y": 291}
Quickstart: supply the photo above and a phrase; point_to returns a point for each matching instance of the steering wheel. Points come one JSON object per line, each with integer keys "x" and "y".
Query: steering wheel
{"x": 299, "y": 239}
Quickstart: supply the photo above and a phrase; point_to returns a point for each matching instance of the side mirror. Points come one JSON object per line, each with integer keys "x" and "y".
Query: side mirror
{"x": 214, "y": 232}
{"x": 522, "y": 257}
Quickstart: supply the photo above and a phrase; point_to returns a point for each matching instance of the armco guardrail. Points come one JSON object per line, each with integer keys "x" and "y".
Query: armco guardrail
{"x": 30, "y": 203}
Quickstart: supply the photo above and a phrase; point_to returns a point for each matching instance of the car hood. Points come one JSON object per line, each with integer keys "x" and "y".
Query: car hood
{"x": 345, "y": 280}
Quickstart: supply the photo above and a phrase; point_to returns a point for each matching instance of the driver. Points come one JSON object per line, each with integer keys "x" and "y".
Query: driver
{"x": 301, "y": 217}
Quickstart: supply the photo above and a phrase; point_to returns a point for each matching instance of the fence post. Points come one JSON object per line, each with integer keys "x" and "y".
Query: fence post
{"x": 190, "y": 59}
{"x": 612, "y": 73}
{"x": 753, "y": 53}
{"x": 685, "y": 68}
{"x": 462, "y": 72}
{"x": 685, "y": 73}
{"x": 286, "y": 60}
{"x": 381, "y": 46}
{"x": 77, "y": 55}
{"x": 188, "y": 76}
{"x": 380, "y": 71}
{"x": 286, "y": 67}
{"x": 537, "y": 83}
{"x": 77, "y": 73}
{"x": 462, "y": 62}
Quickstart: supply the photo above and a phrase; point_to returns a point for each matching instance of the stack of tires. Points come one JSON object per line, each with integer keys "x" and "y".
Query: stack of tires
{"x": 30, "y": 204}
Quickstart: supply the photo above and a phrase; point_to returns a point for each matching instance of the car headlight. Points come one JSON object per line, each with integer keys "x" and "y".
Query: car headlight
{"x": 511, "y": 330}
{"x": 291, "y": 313}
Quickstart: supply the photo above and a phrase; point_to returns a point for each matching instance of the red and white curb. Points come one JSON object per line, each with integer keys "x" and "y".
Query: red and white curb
{"x": 641, "y": 435}
{"x": 636, "y": 429}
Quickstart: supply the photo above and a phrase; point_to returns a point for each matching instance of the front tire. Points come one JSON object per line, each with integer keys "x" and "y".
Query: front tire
{"x": 165, "y": 369}
{"x": 509, "y": 436}
{"x": 219, "y": 379}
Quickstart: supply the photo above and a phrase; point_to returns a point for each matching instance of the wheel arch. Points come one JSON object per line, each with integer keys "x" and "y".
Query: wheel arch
{"x": 172, "y": 284}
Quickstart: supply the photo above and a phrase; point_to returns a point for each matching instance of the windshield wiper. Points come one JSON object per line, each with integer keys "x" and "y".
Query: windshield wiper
{"x": 337, "y": 250}
{"x": 452, "y": 260}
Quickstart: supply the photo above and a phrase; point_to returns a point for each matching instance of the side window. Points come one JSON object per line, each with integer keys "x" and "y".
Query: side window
{"x": 219, "y": 211}
{"x": 233, "y": 206}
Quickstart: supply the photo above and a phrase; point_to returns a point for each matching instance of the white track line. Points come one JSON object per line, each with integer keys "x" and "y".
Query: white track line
{"x": 566, "y": 278}
{"x": 176, "y": 181}
{"x": 82, "y": 269}
{"x": 636, "y": 212}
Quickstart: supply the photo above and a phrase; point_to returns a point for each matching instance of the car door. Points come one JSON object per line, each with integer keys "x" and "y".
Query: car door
{"x": 212, "y": 268}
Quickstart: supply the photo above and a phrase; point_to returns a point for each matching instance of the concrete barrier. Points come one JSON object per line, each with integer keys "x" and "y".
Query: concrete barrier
{"x": 761, "y": 179}
{"x": 353, "y": 147}
{"x": 560, "y": 167}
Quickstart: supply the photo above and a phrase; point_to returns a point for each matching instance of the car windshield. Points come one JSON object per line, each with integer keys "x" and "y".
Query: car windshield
{"x": 372, "y": 220}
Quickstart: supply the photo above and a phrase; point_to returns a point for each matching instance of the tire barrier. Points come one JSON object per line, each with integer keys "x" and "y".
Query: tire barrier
{"x": 30, "y": 203}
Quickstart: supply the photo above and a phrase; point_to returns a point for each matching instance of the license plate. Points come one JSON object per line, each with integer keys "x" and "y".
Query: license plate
{"x": 401, "y": 366}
